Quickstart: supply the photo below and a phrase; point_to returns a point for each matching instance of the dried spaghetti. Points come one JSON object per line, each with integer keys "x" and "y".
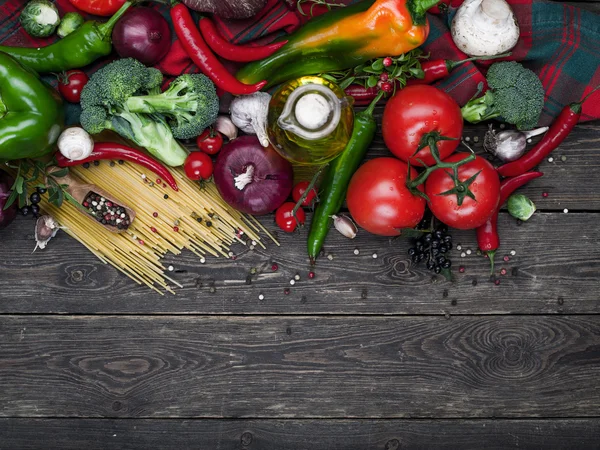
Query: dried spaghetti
{"x": 166, "y": 221}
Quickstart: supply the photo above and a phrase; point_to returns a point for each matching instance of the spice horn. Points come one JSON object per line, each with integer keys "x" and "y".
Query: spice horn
{"x": 82, "y": 192}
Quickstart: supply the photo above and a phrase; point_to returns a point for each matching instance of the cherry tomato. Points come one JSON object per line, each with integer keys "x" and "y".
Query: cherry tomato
{"x": 286, "y": 220}
{"x": 379, "y": 200}
{"x": 299, "y": 191}
{"x": 71, "y": 84}
{"x": 485, "y": 187}
{"x": 198, "y": 166}
{"x": 210, "y": 141}
{"x": 412, "y": 113}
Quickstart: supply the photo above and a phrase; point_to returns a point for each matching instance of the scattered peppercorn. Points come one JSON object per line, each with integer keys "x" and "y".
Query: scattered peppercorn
{"x": 154, "y": 214}
{"x": 86, "y": 165}
{"x": 121, "y": 162}
{"x": 96, "y": 163}
{"x": 166, "y": 196}
{"x": 311, "y": 275}
{"x": 112, "y": 164}
{"x": 286, "y": 291}
{"x": 274, "y": 267}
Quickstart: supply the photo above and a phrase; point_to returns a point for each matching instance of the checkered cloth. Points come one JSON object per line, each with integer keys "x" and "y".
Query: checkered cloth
{"x": 559, "y": 42}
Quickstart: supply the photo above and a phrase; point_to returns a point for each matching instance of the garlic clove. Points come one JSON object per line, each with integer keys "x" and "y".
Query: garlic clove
{"x": 345, "y": 226}
{"x": 45, "y": 229}
{"x": 226, "y": 127}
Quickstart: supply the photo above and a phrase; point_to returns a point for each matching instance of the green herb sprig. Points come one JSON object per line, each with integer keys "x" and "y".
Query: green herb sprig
{"x": 398, "y": 70}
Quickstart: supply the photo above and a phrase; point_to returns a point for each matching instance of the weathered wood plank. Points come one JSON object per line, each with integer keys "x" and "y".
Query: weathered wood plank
{"x": 76, "y": 434}
{"x": 286, "y": 367}
{"x": 556, "y": 270}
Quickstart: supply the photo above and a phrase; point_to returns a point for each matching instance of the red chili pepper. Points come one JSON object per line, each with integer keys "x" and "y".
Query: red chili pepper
{"x": 487, "y": 234}
{"x": 437, "y": 69}
{"x": 110, "y": 150}
{"x": 98, "y": 7}
{"x": 559, "y": 130}
{"x": 362, "y": 96}
{"x": 203, "y": 57}
{"x": 232, "y": 52}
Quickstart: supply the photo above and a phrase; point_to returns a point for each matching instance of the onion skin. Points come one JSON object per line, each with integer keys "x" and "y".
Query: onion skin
{"x": 272, "y": 179}
{"x": 143, "y": 34}
{"x": 6, "y": 216}
{"x": 227, "y": 9}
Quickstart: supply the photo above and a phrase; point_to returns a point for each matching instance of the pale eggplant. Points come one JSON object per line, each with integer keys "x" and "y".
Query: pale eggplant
{"x": 227, "y": 9}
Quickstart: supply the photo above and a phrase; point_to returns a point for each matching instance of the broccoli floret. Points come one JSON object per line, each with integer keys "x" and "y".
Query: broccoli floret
{"x": 114, "y": 83}
{"x": 516, "y": 95}
{"x": 190, "y": 103}
{"x": 103, "y": 103}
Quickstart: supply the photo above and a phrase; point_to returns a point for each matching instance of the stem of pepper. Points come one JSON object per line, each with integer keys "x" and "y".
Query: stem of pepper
{"x": 452, "y": 64}
{"x": 576, "y": 107}
{"x": 107, "y": 27}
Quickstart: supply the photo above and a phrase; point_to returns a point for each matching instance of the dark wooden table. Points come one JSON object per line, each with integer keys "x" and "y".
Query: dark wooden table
{"x": 374, "y": 353}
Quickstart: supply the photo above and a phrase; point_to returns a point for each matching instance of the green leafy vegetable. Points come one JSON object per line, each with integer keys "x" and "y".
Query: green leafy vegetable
{"x": 70, "y": 22}
{"x": 39, "y": 18}
{"x": 520, "y": 207}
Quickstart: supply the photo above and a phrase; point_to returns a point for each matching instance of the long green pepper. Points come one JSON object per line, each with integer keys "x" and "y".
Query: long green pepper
{"x": 337, "y": 177}
{"x": 85, "y": 45}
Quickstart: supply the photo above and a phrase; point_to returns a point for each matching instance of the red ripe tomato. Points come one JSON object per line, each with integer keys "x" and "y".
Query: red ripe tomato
{"x": 299, "y": 191}
{"x": 477, "y": 177}
{"x": 379, "y": 200}
{"x": 198, "y": 166}
{"x": 286, "y": 220}
{"x": 71, "y": 84}
{"x": 414, "y": 112}
{"x": 210, "y": 141}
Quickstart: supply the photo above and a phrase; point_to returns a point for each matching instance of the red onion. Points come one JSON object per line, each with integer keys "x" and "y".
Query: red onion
{"x": 143, "y": 34}
{"x": 8, "y": 215}
{"x": 251, "y": 178}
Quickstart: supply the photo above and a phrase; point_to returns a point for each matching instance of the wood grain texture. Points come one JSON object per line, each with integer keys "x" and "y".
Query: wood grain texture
{"x": 556, "y": 270}
{"x": 288, "y": 367}
{"x": 74, "y": 434}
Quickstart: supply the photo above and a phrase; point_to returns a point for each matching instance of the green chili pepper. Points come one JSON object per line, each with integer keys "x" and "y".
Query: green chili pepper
{"x": 333, "y": 189}
{"x": 31, "y": 112}
{"x": 85, "y": 45}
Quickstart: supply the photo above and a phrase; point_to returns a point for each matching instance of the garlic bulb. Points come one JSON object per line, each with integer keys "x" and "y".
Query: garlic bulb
{"x": 249, "y": 114}
{"x": 485, "y": 27}
{"x": 508, "y": 145}
{"x": 75, "y": 143}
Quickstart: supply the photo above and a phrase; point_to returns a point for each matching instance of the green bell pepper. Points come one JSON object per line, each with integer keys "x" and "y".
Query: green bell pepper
{"x": 31, "y": 112}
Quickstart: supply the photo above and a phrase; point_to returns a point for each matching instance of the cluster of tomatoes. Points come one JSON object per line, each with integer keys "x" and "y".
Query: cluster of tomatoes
{"x": 285, "y": 217}
{"x": 199, "y": 165}
{"x": 462, "y": 197}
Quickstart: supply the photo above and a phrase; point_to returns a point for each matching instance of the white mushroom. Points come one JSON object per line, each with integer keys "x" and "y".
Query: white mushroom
{"x": 75, "y": 144}
{"x": 485, "y": 27}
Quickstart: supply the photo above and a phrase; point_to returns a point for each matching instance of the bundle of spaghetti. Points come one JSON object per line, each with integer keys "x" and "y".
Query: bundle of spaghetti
{"x": 194, "y": 217}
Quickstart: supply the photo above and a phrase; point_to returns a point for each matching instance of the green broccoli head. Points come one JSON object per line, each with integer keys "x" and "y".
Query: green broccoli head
{"x": 114, "y": 83}
{"x": 190, "y": 103}
{"x": 94, "y": 119}
{"x": 516, "y": 95}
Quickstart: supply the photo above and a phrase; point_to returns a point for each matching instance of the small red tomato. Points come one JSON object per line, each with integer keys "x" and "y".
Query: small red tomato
{"x": 198, "y": 166}
{"x": 210, "y": 141}
{"x": 71, "y": 83}
{"x": 299, "y": 191}
{"x": 286, "y": 220}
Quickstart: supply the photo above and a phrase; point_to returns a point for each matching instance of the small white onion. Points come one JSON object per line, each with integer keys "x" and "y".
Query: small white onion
{"x": 75, "y": 144}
